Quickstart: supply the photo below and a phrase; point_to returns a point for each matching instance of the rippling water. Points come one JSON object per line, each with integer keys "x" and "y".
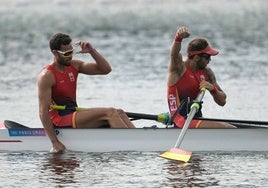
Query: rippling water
{"x": 132, "y": 169}
{"x": 135, "y": 37}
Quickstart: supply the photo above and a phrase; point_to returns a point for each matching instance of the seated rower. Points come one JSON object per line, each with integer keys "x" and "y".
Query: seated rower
{"x": 57, "y": 84}
{"x": 186, "y": 78}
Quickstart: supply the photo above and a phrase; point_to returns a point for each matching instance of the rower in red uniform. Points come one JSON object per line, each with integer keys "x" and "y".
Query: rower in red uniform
{"x": 57, "y": 85}
{"x": 186, "y": 78}
{"x": 64, "y": 93}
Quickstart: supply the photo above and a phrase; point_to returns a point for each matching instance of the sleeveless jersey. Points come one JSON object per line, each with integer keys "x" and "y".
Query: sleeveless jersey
{"x": 187, "y": 86}
{"x": 64, "y": 90}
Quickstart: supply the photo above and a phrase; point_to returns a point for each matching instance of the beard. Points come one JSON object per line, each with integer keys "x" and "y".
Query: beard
{"x": 201, "y": 65}
{"x": 65, "y": 62}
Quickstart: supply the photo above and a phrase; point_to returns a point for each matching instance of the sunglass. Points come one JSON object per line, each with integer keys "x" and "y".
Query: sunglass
{"x": 206, "y": 56}
{"x": 67, "y": 53}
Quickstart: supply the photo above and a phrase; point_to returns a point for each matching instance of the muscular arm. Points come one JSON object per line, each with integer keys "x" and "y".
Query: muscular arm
{"x": 176, "y": 64}
{"x": 218, "y": 94}
{"x": 100, "y": 66}
{"x": 45, "y": 83}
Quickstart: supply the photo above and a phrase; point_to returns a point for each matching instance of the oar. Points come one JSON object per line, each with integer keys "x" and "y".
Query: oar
{"x": 59, "y": 107}
{"x": 162, "y": 118}
{"x": 179, "y": 154}
{"x": 254, "y": 123}
{"x": 165, "y": 117}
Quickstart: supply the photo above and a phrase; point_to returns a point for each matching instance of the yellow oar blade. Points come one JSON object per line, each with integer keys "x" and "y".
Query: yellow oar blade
{"x": 177, "y": 154}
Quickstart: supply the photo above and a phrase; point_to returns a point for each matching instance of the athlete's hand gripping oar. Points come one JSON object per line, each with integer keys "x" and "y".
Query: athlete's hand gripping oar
{"x": 179, "y": 154}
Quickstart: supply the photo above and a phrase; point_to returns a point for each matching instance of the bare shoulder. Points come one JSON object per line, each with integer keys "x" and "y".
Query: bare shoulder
{"x": 77, "y": 64}
{"x": 88, "y": 68}
{"x": 211, "y": 75}
{"x": 46, "y": 77}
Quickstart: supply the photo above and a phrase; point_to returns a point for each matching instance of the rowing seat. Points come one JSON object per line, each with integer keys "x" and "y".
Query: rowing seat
{"x": 14, "y": 125}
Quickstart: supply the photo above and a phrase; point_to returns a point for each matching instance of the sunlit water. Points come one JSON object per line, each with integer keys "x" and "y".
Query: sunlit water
{"x": 135, "y": 37}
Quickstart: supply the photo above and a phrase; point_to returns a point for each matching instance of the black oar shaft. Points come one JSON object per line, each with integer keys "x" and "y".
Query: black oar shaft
{"x": 142, "y": 116}
{"x": 234, "y": 121}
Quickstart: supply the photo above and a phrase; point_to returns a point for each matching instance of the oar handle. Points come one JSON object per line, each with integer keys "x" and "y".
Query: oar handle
{"x": 60, "y": 107}
{"x": 201, "y": 94}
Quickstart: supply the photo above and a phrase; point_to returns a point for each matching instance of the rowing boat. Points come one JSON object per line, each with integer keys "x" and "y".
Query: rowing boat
{"x": 22, "y": 138}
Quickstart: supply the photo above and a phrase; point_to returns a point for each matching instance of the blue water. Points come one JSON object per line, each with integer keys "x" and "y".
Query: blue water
{"x": 135, "y": 37}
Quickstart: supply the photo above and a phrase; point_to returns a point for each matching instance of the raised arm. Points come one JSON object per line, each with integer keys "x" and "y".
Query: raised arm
{"x": 100, "y": 66}
{"x": 176, "y": 64}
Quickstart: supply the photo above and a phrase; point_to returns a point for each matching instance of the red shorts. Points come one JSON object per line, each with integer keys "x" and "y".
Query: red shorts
{"x": 180, "y": 120}
{"x": 63, "y": 121}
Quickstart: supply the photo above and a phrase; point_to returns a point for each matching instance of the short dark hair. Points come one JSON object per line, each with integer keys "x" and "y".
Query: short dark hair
{"x": 197, "y": 44}
{"x": 59, "y": 39}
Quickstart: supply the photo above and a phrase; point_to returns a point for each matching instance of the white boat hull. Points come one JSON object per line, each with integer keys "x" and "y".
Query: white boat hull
{"x": 139, "y": 139}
